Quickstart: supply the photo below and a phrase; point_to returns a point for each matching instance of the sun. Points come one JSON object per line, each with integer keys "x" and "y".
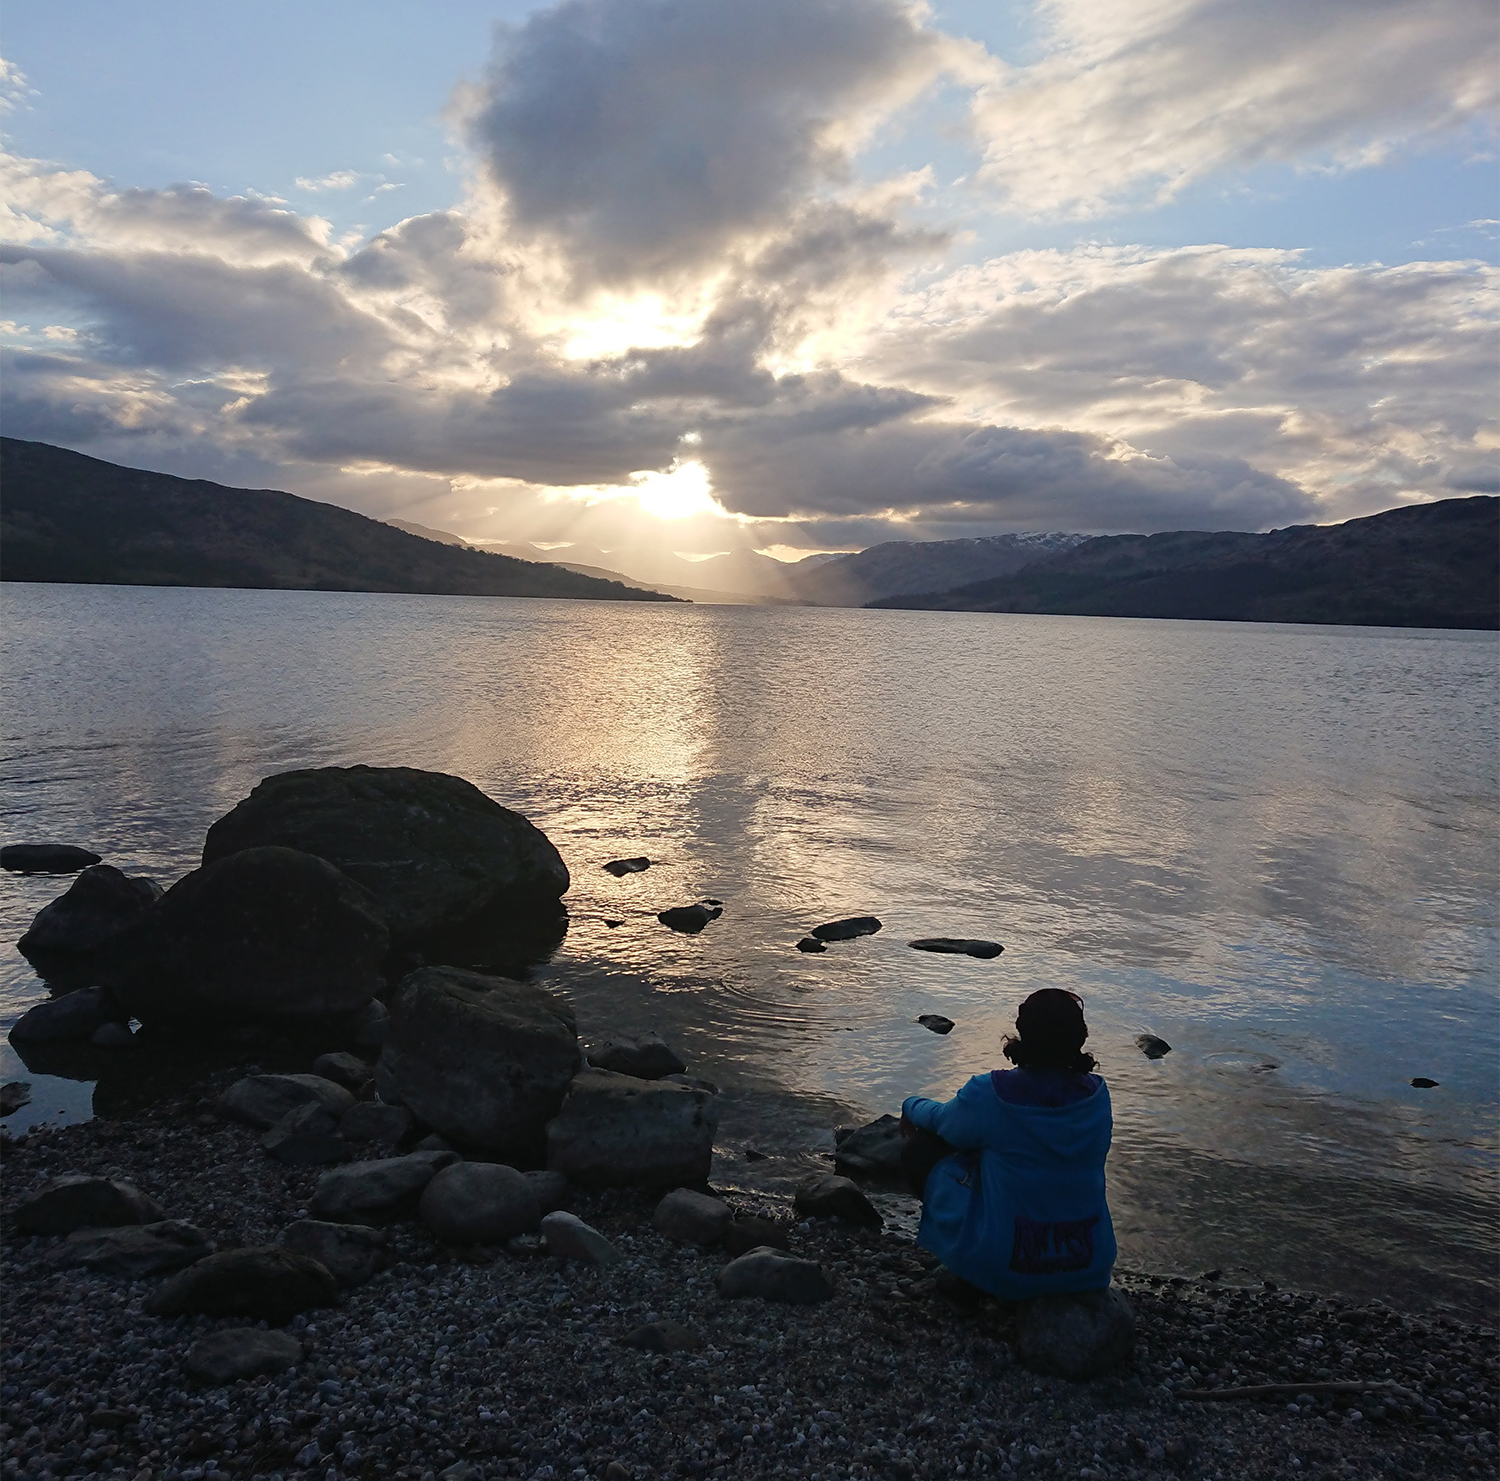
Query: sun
{"x": 682, "y": 491}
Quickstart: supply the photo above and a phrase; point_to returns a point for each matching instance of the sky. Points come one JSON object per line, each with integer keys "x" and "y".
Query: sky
{"x": 695, "y": 276}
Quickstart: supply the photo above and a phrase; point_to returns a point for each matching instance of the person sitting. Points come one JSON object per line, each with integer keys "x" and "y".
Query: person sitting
{"x": 1011, "y": 1170}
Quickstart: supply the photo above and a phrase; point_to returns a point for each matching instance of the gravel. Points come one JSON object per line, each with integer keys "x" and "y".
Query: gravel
{"x": 517, "y": 1366}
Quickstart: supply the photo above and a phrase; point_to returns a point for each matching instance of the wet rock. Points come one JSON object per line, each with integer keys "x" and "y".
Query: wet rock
{"x": 265, "y": 1284}
{"x": 345, "y": 1069}
{"x": 13, "y": 1095}
{"x": 691, "y": 1218}
{"x": 870, "y": 1151}
{"x": 241, "y": 1352}
{"x": 689, "y": 919}
{"x": 617, "y": 1131}
{"x": 483, "y": 1060}
{"x": 693, "y": 1082}
{"x": 847, "y": 930}
{"x": 958, "y": 946}
{"x": 550, "y": 1189}
{"x": 621, "y": 867}
{"x": 384, "y": 1189}
{"x": 1423, "y": 1083}
{"x": 664, "y": 1336}
{"x": 826, "y": 1195}
{"x": 775, "y": 1276}
{"x": 75, "y": 1015}
{"x": 45, "y": 858}
{"x": 262, "y": 1100}
{"x": 76, "y": 1200}
{"x": 266, "y": 934}
{"x": 135, "y": 1250}
{"x": 373, "y": 1121}
{"x": 752, "y": 1233}
{"x": 479, "y": 1203}
{"x": 439, "y": 856}
{"x": 111, "y": 1036}
{"x": 307, "y": 1136}
{"x": 99, "y": 904}
{"x": 646, "y": 1056}
{"x": 1079, "y": 1335}
{"x": 569, "y": 1238}
{"x": 1151, "y": 1046}
{"x": 811, "y": 944}
{"x": 936, "y": 1022}
{"x": 351, "y": 1253}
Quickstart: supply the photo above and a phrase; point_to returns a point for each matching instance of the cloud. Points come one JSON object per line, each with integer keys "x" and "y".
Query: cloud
{"x": 338, "y": 180}
{"x": 1143, "y": 97}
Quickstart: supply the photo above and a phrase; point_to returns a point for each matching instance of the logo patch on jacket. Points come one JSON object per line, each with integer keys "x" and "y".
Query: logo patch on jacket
{"x": 1050, "y": 1249}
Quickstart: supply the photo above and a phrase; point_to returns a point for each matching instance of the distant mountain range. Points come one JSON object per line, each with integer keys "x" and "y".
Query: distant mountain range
{"x": 1425, "y": 565}
{"x": 67, "y": 517}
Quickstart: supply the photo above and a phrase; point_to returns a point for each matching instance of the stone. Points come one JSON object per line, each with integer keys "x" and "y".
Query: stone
{"x": 1078, "y": 1335}
{"x": 847, "y": 930}
{"x": 433, "y": 1143}
{"x": 569, "y": 1238}
{"x": 13, "y": 1095}
{"x": 936, "y": 1022}
{"x": 262, "y": 1100}
{"x": 617, "y": 1131}
{"x": 264, "y": 1284}
{"x": 345, "y": 1069}
{"x": 825, "y": 1195}
{"x": 958, "y": 946}
{"x": 1423, "y": 1083}
{"x": 383, "y": 1189}
{"x": 461, "y": 1470}
{"x": 241, "y": 1352}
{"x": 374, "y": 1121}
{"x": 437, "y": 854}
{"x": 367, "y": 1029}
{"x": 76, "y": 1200}
{"x": 479, "y": 1203}
{"x": 646, "y": 1056}
{"x": 811, "y": 944}
{"x": 691, "y": 1218}
{"x": 870, "y": 1151}
{"x": 134, "y": 1250}
{"x": 550, "y": 1189}
{"x": 75, "y": 1015}
{"x": 351, "y": 1253}
{"x": 112, "y": 1036}
{"x": 45, "y": 858}
{"x": 753, "y": 1233}
{"x": 621, "y": 867}
{"x": 689, "y": 919}
{"x": 693, "y": 1082}
{"x": 774, "y": 1275}
{"x": 99, "y": 904}
{"x": 664, "y": 1336}
{"x": 307, "y": 1136}
{"x": 268, "y": 934}
{"x": 482, "y": 1060}
{"x": 1151, "y": 1046}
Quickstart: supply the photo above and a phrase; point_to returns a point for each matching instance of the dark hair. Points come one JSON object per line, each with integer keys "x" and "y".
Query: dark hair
{"x": 1049, "y": 1033}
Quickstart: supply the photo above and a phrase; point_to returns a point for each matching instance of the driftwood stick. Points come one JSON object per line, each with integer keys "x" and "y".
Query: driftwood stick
{"x": 1270, "y": 1390}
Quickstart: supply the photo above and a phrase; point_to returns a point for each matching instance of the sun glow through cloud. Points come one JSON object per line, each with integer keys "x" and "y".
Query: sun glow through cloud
{"x": 679, "y": 493}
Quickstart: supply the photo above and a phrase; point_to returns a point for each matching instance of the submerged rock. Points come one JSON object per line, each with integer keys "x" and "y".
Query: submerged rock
{"x": 689, "y": 919}
{"x": 617, "y": 1131}
{"x": 99, "y": 904}
{"x": 646, "y": 1056}
{"x": 621, "y": 867}
{"x": 936, "y": 1022}
{"x": 811, "y": 943}
{"x": 1151, "y": 1046}
{"x": 1078, "y": 1335}
{"x": 45, "y": 858}
{"x": 1423, "y": 1083}
{"x": 957, "y": 946}
{"x": 847, "y": 930}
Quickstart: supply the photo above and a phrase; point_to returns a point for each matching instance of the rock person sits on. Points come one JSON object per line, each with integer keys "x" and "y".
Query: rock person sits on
{"x": 1011, "y": 1170}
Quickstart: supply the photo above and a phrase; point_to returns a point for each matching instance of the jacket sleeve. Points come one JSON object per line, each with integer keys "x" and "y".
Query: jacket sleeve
{"x": 960, "y": 1121}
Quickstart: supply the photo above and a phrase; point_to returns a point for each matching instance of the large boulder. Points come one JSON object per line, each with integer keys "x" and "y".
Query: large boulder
{"x": 269, "y": 933}
{"x": 74, "y": 1015}
{"x": 482, "y": 1060}
{"x": 616, "y": 1131}
{"x": 1078, "y": 1335}
{"x": 99, "y": 904}
{"x": 479, "y": 1203}
{"x": 77, "y": 1200}
{"x": 265, "y": 1284}
{"x": 379, "y": 1191}
{"x": 438, "y": 855}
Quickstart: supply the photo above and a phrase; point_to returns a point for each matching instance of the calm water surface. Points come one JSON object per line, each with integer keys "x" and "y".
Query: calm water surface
{"x": 1276, "y": 847}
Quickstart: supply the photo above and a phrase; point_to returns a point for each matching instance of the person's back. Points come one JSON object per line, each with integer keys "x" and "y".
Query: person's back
{"x": 1019, "y": 1210}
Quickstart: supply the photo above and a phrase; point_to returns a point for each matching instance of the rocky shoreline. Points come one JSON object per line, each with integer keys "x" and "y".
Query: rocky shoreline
{"x": 488, "y": 1362}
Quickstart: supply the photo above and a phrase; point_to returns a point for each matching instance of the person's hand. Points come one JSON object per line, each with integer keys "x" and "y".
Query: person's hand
{"x": 908, "y": 1128}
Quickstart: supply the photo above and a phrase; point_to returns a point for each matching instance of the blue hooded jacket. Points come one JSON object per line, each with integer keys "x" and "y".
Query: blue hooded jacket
{"x": 1020, "y": 1211}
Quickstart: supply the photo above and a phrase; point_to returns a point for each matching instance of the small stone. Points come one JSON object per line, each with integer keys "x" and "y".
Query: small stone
{"x": 1423, "y": 1083}
{"x": 241, "y": 1352}
{"x": 847, "y": 930}
{"x": 13, "y": 1095}
{"x": 569, "y": 1238}
{"x": 826, "y": 1195}
{"x": 111, "y": 1036}
{"x": 775, "y": 1276}
{"x": 1078, "y": 1335}
{"x": 810, "y": 944}
{"x": 134, "y": 1250}
{"x": 345, "y": 1069}
{"x": 958, "y": 946}
{"x": 77, "y": 1200}
{"x": 621, "y": 867}
{"x": 646, "y": 1056}
{"x": 690, "y": 1217}
{"x": 262, "y": 1100}
{"x": 1151, "y": 1046}
{"x": 936, "y": 1022}
{"x": 45, "y": 858}
{"x": 307, "y": 1136}
{"x": 689, "y": 919}
{"x": 270, "y": 1284}
{"x": 550, "y": 1189}
{"x": 753, "y": 1233}
{"x": 479, "y": 1203}
{"x": 460, "y": 1470}
{"x": 664, "y": 1336}
{"x": 374, "y": 1121}
{"x": 351, "y": 1253}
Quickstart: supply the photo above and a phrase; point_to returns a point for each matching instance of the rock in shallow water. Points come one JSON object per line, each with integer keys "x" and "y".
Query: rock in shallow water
{"x": 479, "y": 1203}
{"x": 811, "y": 944}
{"x": 688, "y": 919}
{"x": 45, "y": 858}
{"x": 621, "y": 867}
{"x": 646, "y": 1056}
{"x": 99, "y": 904}
{"x": 268, "y": 1284}
{"x": 936, "y": 1022}
{"x": 134, "y": 1250}
{"x": 13, "y": 1095}
{"x": 241, "y": 1352}
{"x": 1151, "y": 1046}
{"x": 775, "y": 1276}
{"x": 958, "y": 946}
{"x": 1077, "y": 1336}
{"x": 76, "y": 1200}
{"x": 826, "y": 1195}
{"x": 75, "y": 1015}
{"x": 847, "y": 930}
